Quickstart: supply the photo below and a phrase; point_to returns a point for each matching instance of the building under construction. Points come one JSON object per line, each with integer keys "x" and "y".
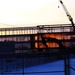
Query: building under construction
{"x": 23, "y": 47}
{"x": 43, "y": 38}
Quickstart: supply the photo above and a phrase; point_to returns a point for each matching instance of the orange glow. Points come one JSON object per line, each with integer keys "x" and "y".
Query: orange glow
{"x": 36, "y": 37}
{"x": 36, "y": 45}
{"x": 41, "y": 45}
{"x": 49, "y": 35}
{"x": 52, "y": 44}
{"x": 59, "y": 36}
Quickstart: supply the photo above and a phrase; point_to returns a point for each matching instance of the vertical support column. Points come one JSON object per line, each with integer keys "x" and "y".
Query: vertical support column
{"x": 1, "y": 66}
{"x": 32, "y": 42}
{"x": 67, "y": 62}
{"x": 23, "y": 65}
{"x": 38, "y": 41}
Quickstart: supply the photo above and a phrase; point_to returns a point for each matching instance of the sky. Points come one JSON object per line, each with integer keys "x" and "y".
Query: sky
{"x": 16, "y": 13}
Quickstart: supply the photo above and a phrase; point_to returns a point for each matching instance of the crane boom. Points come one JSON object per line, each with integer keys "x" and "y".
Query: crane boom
{"x": 68, "y": 15}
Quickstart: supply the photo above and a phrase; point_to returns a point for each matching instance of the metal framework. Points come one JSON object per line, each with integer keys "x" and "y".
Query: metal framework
{"x": 22, "y": 37}
{"x": 35, "y": 30}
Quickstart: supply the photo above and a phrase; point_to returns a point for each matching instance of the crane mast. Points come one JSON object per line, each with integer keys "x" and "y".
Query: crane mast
{"x": 68, "y": 15}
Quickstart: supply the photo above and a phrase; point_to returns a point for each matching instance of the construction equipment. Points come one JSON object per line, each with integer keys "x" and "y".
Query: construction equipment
{"x": 44, "y": 39}
{"x": 68, "y": 15}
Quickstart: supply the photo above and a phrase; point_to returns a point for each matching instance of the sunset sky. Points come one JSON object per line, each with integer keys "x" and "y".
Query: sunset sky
{"x": 16, "y": 13}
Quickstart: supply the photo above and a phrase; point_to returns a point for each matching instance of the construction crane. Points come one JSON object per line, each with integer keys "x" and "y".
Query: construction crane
{"x": 54, "y": 39}
{"x": 68, "y": 15}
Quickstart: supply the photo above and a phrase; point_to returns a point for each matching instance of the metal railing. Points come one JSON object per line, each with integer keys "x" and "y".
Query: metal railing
{"x": 26, "y": 65}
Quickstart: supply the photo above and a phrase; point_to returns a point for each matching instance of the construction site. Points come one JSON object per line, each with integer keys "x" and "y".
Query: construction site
{"x": 38, "y": 50}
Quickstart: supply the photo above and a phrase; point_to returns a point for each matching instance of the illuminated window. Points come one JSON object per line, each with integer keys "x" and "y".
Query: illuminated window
{"x": 36, "y": 37}
{"x": 36, "y": 44}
